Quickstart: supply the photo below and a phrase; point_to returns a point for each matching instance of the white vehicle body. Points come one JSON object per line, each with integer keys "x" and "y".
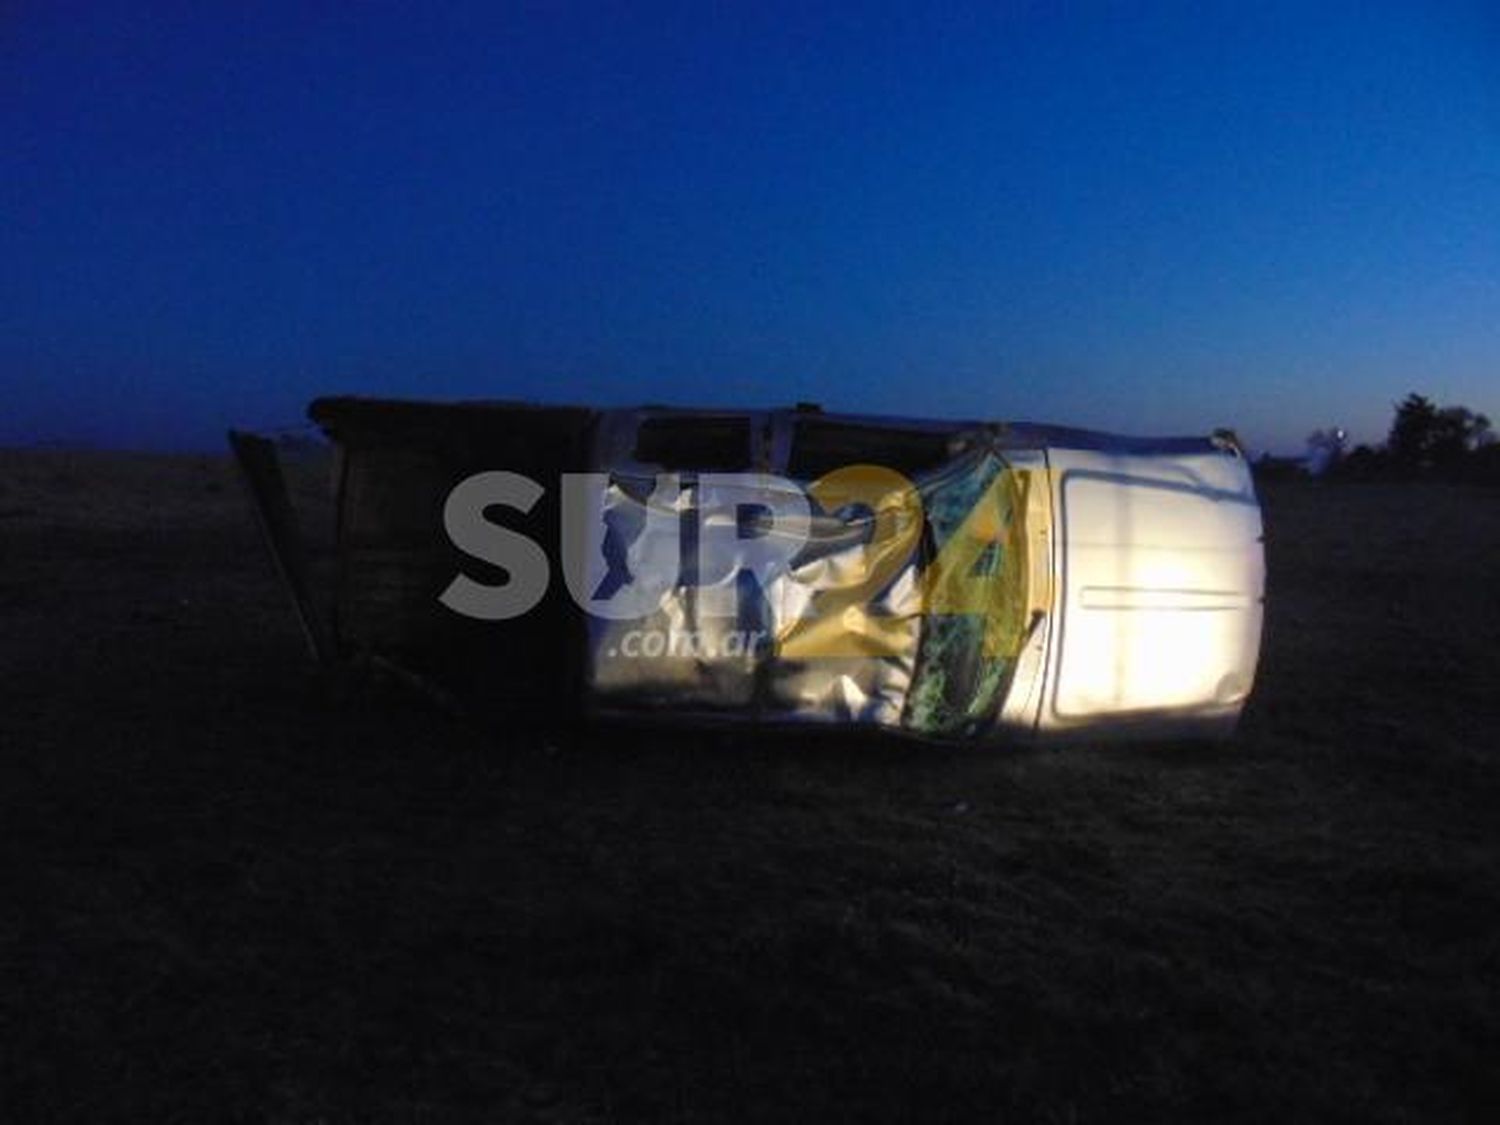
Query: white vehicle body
{"x": 1117, "y": 592}
{"x": 1154, "y": 584}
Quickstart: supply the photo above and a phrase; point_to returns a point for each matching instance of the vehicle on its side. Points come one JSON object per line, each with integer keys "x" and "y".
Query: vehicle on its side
{"x": 967, "y": 581}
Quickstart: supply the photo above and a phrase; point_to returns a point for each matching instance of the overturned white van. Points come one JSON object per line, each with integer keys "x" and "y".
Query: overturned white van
{"x": 947, "y": 580}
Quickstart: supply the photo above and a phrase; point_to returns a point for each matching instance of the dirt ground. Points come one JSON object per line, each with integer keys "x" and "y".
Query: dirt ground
{"x": 234, "y": 890}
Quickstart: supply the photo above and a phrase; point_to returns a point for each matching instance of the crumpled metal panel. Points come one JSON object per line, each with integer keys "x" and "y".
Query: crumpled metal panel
{"x": 843, "y": 632}
{"x": 635, "y": 545}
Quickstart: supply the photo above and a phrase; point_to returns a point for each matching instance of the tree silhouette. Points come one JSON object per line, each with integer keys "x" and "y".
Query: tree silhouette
{"x": 1425, "y": 436}
{"x": 1412, "y": 431}
{"x": 1458, "y": 433}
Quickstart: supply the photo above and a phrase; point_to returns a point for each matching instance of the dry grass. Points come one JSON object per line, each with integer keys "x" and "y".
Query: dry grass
{"x": 235, "y": 892}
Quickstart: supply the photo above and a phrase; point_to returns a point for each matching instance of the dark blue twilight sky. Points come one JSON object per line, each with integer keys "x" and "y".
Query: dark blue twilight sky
{"x": 1150, "y": 220}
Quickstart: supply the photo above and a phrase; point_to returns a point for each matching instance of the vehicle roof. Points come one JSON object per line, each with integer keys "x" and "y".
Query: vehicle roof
{"x": 339, "y": 414}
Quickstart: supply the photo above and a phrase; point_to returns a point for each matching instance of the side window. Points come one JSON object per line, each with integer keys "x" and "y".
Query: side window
{"x": 820, "y": 446}
{"x": 696, "y": 443}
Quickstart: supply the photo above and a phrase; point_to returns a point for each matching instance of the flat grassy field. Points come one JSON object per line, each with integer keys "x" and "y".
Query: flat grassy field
{"x": 235, "y": 890}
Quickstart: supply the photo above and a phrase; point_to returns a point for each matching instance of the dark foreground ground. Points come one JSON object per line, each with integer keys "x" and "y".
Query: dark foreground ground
{"x": 231, "y": 891}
